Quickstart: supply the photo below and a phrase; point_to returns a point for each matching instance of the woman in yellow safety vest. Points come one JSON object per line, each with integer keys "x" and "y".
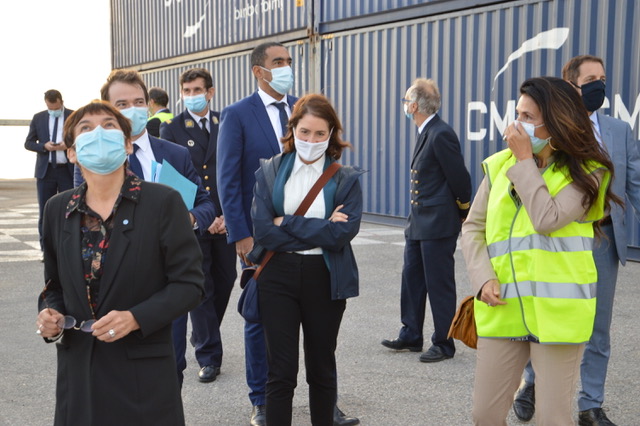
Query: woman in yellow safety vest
{"x": 528, "y": 245}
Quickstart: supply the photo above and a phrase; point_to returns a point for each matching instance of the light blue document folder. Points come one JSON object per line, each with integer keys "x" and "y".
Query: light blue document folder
{"x": 171, "y": 177}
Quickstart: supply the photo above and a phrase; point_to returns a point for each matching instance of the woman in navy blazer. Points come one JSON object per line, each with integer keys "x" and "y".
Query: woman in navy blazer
{"x": 313, "y": 269}
{"x": 121, "y": 263}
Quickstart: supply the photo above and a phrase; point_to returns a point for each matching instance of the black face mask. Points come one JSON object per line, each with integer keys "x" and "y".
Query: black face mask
{"x": 593, "y": 95}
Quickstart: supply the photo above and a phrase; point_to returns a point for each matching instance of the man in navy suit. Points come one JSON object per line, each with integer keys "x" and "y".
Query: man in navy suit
{"x": 196, "y": 129}
{"x": 586, "y": 73}
{"x": 440, "y": 188}
{"x": 251, "y": 129}
{"x": 54, "y": 172}
{"x": 126, "y": 90}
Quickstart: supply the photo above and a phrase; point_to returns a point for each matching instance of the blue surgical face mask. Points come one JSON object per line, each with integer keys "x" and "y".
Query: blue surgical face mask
{"x": 138, "y": 117}
{"x": 196, "y": 103}
{"x": 537, "y": 144}
{"x": 281, "y": 79}
{"x": 55, "y": 112}
{"x": 101, "y": 151}
{"x": 406, "y": 111}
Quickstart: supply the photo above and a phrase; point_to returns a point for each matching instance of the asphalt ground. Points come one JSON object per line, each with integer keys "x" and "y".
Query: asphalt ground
{"x": 379, "y": 386}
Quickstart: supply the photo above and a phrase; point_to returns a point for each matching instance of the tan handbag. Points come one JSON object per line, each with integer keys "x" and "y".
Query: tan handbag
{"x": 463, "y": 326}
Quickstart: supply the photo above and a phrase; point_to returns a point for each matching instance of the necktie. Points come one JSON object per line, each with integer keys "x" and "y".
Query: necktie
{"x": 134, "y": 163}
{"x": 54, "y": 138}
{"x": 284, "y": 119}
{"x": 203, "y": 123}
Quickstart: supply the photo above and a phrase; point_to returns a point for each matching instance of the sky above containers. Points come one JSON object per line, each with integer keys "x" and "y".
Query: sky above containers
{"x": 62, "y": 45}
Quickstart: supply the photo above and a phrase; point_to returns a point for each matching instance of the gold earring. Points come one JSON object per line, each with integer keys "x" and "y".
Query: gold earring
{"x": 552, "y": 147}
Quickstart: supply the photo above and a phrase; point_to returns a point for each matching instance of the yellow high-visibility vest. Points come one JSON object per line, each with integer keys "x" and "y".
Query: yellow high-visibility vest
{"x": 548, "y": 281}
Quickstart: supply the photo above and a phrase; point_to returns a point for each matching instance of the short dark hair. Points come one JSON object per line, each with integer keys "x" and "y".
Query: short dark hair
{"x": 127, "y": 76}
{"x": 259, "y": 53}
{"x": 194, "y": 73}
{"x": 571, "y": 70}
{"x": 159, "y": 96}
{"x": 318, "y": 106}
{"x": 92, "y": 108}
{"x": 52, "y": 95}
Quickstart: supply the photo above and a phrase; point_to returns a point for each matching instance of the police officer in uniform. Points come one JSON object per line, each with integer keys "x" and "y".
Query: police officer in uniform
{"x": 196, "y": 128}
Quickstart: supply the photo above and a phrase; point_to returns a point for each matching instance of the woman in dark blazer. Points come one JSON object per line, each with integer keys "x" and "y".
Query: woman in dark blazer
{"x": 313, "y": 271}
{"x": 121, "y": 262}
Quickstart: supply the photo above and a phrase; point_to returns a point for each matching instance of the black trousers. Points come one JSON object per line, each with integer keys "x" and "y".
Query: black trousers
{"x": 295, "y": 290}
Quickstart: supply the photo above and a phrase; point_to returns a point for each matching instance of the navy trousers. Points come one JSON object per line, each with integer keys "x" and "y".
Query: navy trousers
{"x": 428, "y": 270}
{"x": 57, "y": 179}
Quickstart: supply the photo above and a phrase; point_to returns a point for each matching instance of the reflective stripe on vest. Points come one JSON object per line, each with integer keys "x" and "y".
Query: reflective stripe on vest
{"x": 548, "y": 281}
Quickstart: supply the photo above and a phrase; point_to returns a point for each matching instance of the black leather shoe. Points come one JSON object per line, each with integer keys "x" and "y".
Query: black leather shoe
{"x": 208, "y": 373}
{"x": 524, "y": 402}
{"x": 340, "y": 419}
{"x": 434, "y": 354}
{"x": 400, "y": 345}
{"x": 259, "y": 416}
{"x": 594, "y": 417}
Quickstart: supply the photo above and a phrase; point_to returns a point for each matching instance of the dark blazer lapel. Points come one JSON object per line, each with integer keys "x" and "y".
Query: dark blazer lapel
{"x": 118, "y": 244}
{"x": 71, "y": 241}
{"x": 262, "y": 118}
{"x": 422, "y": 140}
{"x": 192, "y": 128}
{"x": 213, "y": 136}
{"x": 157, "y": 149}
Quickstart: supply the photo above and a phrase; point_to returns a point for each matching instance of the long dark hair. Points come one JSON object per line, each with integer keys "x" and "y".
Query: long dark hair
{"x": 572, "y": 137}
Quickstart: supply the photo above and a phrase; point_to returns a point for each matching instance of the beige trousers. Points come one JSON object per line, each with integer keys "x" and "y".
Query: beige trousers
{"x": 499, "y": 367}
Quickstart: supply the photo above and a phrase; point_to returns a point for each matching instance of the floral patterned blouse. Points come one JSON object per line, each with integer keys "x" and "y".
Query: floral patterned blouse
{"x": 97, "y": 232}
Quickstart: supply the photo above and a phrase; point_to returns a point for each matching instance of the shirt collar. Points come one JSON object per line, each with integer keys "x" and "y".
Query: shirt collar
{"x": 424, "y": 123}
{"x": 267, "y": 99}
{"x": 317, "y": 165}
{"x": 143, "y": 142}
{"x": 130, "y": 190}
{"x": 196, "y": 117}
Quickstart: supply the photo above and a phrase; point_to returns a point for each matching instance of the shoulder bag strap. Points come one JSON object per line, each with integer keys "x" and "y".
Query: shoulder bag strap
{"x": 304, "y": 206}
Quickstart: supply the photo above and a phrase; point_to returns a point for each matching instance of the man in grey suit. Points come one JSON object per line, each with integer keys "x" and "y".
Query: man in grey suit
{"x": 586, "y": 73}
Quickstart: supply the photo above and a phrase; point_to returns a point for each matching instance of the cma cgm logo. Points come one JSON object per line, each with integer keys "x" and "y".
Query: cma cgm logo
{"x": 551, "y": 39}
{"x": 477, "y": 110}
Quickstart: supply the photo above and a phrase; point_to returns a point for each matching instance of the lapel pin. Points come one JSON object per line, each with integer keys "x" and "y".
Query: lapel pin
{"x": 215, "y": 120}
{"x": 189, "y": 124}
{"x": 191, "y": 143}
{"x": 125, "y": 222}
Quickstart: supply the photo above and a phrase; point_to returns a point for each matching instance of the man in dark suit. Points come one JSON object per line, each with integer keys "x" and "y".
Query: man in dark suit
{"x": 440, "y": 196}
{"x": 586, "y": 73}
{"x": 158, "y": 101}
{"x": 54, "y": 172}
{"x": 126, "y": 90}
{"x": 196, "y": 129}
{"x": 251, "y": 129}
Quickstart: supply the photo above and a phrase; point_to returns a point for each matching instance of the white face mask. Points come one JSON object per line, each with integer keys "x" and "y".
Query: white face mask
{"x": 310, "y": 151}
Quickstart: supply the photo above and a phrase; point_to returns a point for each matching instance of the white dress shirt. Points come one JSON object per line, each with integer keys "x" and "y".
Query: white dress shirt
{"x": 197, "y": 119}
{"x": 274, "y": 113}
{"x": 596, "y": 127}
{"x": 145, "y": 156}
{"x": 302, "y": 178}
{"x": 57, "y": 138}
